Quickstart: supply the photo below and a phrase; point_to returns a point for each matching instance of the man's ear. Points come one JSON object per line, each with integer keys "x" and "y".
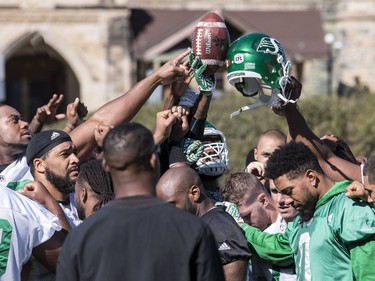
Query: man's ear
{"x": 195, "y": 193}
{"x": 262, "y": 198}
{"x": 153, "y": 160}
{"x": 255, "y": 153}
{"x": 39, "y": 165}
{"x": 105, "y": 166}
{"x": 83, "y": 195}
{"x": 312, "y": 177}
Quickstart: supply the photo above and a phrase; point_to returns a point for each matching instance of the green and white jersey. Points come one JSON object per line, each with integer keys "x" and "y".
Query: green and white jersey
{"x": 260, "y": 269}
{"x": 321, "y": 246}
{"x": 338, "y": 243}
{"x": 16, "y": 174}
{"x": 24, "y": 224}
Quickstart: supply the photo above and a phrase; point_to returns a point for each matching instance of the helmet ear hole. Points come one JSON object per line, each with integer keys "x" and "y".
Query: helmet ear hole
{"x": 240, "y": 87}
{"x": 248, "y": 86}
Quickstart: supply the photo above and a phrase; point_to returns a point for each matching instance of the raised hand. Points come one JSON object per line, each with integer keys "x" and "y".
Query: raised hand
{"x": 36, "y": 191}
{"x": 256, "y": 168}
{"x": 100, "y": 132}
{"x": 178, "y": 87}
{"x": 163, "y": 127}
{"x": 75, "y": 112}
{"x": 46, "y": 113}
{"x": 206, "y": 83}
{"x": 357, "y": 190}
{"x": 181, "y": 126}
{"x": 292, "y": 93}
{"x": 172, "y": 71}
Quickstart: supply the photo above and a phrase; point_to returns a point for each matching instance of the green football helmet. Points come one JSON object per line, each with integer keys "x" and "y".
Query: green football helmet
{"x": 257, "y": 62}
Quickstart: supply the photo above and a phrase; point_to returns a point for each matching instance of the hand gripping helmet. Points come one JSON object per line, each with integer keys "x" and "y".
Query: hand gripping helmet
{"x": 214, "y": 159}
{"x": 257, "y": 62}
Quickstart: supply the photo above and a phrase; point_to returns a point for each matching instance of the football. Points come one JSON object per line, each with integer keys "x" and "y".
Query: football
{"x": 211, "y": 41}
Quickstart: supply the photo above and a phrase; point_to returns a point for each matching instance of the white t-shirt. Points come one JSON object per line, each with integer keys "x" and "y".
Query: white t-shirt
{"x": 71, "y": 212}
{"x": 24, "y": 224}
{"x": 16, "y": 174}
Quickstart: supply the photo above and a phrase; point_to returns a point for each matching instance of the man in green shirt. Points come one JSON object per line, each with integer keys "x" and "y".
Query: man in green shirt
{"x": 333, "y": 237}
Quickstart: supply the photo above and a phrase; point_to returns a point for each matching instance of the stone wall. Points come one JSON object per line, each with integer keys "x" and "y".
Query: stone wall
{"x": 92, "y": 42}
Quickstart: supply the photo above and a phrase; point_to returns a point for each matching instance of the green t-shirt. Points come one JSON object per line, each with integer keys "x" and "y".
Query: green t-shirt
{"x": 334, "y": 244}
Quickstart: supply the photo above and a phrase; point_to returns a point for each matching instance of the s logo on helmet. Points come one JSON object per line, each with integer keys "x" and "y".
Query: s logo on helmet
{"x": 269, "y": 45}
{"x": 238, "y": 58}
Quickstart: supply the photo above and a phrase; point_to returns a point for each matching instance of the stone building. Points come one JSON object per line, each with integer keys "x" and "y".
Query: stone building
{"x": 97, "y": 49}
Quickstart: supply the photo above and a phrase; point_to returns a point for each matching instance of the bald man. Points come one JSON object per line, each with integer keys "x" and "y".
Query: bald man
{"x": 182, "y": 187}
{"x": 268, "y": 141}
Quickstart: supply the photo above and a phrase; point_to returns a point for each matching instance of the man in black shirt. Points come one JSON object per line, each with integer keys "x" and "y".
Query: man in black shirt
{"x": 182, "y": 187}
{"x": 137, "y": 236}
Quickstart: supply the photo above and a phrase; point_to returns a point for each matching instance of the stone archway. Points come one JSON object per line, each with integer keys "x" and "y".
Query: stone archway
{"x": 34, "y": 71}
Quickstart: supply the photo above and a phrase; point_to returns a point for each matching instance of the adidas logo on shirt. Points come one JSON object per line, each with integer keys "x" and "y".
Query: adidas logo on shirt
{"x": 224, "y": 247}
{"x": 54, "y": 135}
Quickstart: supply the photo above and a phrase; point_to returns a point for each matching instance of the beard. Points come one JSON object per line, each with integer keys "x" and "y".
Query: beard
{"x": 63, "y": 184}
{"x": 80, "y": 210}
{"x": 190, "y": 207}
{"x": 18, "y": 147}
{"x": 306, "y": 215}
{"x": 309, "y": 208}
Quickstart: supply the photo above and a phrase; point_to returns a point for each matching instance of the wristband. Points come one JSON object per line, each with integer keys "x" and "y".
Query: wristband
{"x": 197, "y": 128}
{"x": 69, "y": 126}
{"x": 188, "y": 99}
{"x": 206, "y": 93}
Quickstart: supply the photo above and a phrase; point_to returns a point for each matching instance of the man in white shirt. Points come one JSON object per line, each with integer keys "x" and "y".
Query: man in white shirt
{"x": 26, "y": 228}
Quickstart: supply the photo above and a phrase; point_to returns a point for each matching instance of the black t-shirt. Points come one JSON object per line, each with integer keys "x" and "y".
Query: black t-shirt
{"x": 140, "y": 238}
{"x": 230, "y": 239}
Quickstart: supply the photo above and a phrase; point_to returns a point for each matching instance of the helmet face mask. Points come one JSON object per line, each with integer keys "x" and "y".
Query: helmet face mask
{"x": 257, "y": 57}
{"x": 214, "y": 158}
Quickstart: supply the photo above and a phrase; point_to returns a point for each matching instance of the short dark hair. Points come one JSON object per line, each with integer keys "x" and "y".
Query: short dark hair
{"x": 292, "y": 160}
{"x": 94, "y": 177}
{"x": 129, "y": 145}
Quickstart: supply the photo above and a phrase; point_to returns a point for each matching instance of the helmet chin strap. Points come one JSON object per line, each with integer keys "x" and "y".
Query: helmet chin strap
{"x": 277, "y": 94}
{"x": 262, "y": 100}
{"x": 283, "y": 82}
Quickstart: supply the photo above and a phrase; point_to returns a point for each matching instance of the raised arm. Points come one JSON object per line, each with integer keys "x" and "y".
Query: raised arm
{"x": 125, "y": 107}
{"x": 335, "y": 167}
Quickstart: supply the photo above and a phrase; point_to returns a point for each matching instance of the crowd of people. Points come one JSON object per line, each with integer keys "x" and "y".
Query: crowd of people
{"x": 107, "y": 199}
